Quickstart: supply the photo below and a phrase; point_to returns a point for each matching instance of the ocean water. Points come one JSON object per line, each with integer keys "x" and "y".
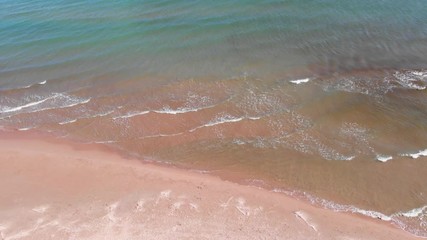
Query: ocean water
{"x": 324, "y": 100}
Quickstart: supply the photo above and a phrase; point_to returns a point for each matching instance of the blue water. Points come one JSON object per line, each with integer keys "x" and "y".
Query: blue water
{"x": 81, "y": 39}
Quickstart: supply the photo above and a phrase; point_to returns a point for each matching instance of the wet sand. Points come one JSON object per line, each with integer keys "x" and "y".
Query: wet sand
{"x": 55, "y": 189}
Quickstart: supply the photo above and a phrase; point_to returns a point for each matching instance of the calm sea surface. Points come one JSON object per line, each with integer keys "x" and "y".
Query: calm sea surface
{"x": 323, "y": 100}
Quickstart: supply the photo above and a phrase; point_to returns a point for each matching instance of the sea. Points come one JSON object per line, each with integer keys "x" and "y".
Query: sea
{"x": 323, "y": 100}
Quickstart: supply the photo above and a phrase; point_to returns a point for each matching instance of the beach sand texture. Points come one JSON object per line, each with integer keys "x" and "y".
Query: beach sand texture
{"x": 53, "y": 189}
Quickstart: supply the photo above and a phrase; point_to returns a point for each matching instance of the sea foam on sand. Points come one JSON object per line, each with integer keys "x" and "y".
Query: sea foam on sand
{"x": 77, "y": 191}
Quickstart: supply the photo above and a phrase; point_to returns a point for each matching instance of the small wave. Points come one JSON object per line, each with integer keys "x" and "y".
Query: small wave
{"x": 411, "y": 79}
{"x": 300, "y": 81}
{"x": 24, "y": 129}
{"x": 168, "y": 110}
{"x": 87, "y": 117}
{"x": 70, "y": 101}
{"x": 422, "y": 153}
{"x": 131, "y": 114}
{"x": 107, "y": 141}
{"x": 253, "y": 118}
{"x": 412, "y": 213}
{"x": 419, "y": 73}
{"x": 161, "y": 135}
{"x": 383, "y": 158}
{"x": 35, "y": 84}
{"x": 67, "y": 122}
{"x": 238, "y": 142}
{"x": 14, "y": 109}
{"x": 222, "y": 120}
{"x": 101, "y": 114}
{"x": 76, "y": 103}
{"x": 165, "y": 110}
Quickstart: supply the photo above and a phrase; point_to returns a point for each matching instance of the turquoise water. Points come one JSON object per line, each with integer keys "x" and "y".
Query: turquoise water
{"x": 79, "y": 39}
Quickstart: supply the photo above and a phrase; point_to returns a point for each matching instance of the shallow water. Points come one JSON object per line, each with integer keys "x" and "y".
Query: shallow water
{"x": 320, "y": 99}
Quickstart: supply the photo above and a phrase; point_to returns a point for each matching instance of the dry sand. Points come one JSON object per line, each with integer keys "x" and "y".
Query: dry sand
{"x": 53, "y": 189}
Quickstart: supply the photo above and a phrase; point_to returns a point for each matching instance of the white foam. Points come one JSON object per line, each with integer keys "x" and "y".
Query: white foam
{"x": 412, "y": 213}
{"x": 253, "y": 118}
{"x": 383, "y": 158}
{"x": 39, "y": 83}
{"x": 161, "y": 135}
{"x": 416, "y": 87}
{"x": 410, "y": 80}
{"x": 165, "y": 110}
{"x": 132, "y": 114}
{"x": 223, "y": 120}
{"x": 419, "y": 73}
{"x": 101, "y": 114}
{"x": 67, "y": 122}
{"x": 176, "y": 111}
{"x": 422, "y": 153}
{"x": 370, "y": 213}
{"x": 24, "y": 129}
{"x": 348, "y": 158}
{"x": 14, "y": 109}
{"x": 239, "y": 142}
{"x": 92, "y": 116}
{"x": 77, "y": 103}
{"x": 54, "y": 98}
{"x": 220, "y": 120}
{"x": 107, "y": 141}
{"x": 168, "y": 110}
{"x": 300, "y": 81}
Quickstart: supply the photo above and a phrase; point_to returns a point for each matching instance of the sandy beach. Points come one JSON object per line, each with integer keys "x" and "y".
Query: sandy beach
{"x": 54, "y": 189}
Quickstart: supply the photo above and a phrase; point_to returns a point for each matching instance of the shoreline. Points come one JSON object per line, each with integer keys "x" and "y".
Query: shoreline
{"x": 68, "y": 190}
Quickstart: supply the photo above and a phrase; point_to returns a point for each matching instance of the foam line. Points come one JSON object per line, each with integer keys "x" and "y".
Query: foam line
{"x": 7, "y": 110}
{"x": 300, "y": 81}
{"x": 161, "y": 135}
{"x": 168, "y": 110}
{"x": 383, "y": 158}
{"x": 67, "y": 122}
{"x": 422, "y": 153}
{"x": 412, "y": 213}
{"x": 225, "y": 119}
{"x": 131, "y": 114}
{"x": 35, "y": 84}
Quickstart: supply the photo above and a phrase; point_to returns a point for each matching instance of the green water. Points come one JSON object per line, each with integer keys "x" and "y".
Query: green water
{"x": 81, "y": 39}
